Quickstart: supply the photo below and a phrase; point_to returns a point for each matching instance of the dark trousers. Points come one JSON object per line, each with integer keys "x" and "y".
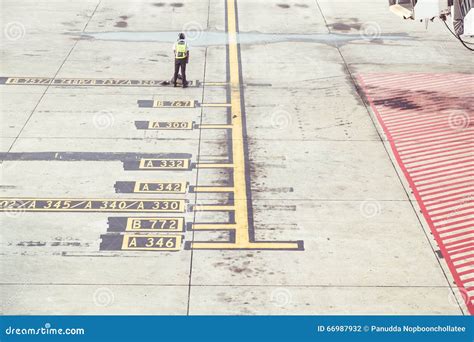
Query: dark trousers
{"x": 180, "y": 64}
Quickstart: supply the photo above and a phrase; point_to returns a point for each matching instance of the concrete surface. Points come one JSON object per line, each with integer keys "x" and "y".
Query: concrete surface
{"x": 317, "y": 169}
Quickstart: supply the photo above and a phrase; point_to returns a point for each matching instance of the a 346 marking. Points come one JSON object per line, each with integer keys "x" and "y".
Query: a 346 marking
{"x": 150, "y": 242}
{"x": 91, "y": 205}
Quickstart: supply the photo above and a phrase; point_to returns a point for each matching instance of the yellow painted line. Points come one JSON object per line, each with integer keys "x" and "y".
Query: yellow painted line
{"x": 246, "y": 245}
{"x": 164, "y": 164}
{"x": 200, "y": 207}
{"x": 160, "y": 187}
{"x": 213, "y": 226}
{"x": 242, "y": 233}
{"x": 215, "y": 83}
{"x": 216, "y": 104}
{"x": 213, "y": 189}
{"x": 216, "y": 126}
{"x": 151, "y": 242}
{"x": 213, "y": 166}
{"x": 241, "y": 227}
{"x": 155, "y": 224}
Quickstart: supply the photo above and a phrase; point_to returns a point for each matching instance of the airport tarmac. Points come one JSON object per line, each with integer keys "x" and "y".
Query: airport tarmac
{"x": 320, "y": 162}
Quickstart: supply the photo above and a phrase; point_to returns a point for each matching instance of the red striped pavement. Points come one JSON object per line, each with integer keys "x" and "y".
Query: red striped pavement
{"x": 429, "y": 122}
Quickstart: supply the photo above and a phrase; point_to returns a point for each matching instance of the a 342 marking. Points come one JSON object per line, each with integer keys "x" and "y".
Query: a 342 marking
{"x": 151, "y": 187}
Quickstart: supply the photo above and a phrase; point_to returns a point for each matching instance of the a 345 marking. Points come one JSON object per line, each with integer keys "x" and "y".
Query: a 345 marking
{"x": 91, "y": 205}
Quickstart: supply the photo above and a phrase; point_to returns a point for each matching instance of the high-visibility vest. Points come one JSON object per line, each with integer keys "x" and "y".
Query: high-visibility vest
{"x": 181, "y": 50}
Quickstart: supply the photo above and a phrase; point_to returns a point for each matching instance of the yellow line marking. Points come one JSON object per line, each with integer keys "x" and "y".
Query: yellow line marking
{"x": 213, "y": 166}
{"x": 213, "y": 189}
{"x": 213, "y": 226}
{"x": 241, "y": 227}
{"x": 216, "y": 104}
{"x": 200, "y": 207}
{"x": 215, "y": 83}
{"x": 155, "y": 224}
{"x": 245, "y": 245}
{"x": 238, "y": 151}
{"x": 215, "y": 126}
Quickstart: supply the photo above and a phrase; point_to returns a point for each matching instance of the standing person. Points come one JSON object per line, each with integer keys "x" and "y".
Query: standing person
{"x": 181, "y": 58}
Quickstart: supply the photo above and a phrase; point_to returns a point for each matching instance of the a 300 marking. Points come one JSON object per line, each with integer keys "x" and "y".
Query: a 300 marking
{"x": 153, "y": 224}
{"x": 170, "y": 125}
{"x": 87, "y": 205}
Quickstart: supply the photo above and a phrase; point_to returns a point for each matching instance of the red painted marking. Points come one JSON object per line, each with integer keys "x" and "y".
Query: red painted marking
{"x": 429, "y": 121}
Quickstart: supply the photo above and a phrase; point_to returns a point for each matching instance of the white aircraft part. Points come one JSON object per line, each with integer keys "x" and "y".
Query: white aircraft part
{"x": 469, "y": 23}
{"x": 430, "y": 8}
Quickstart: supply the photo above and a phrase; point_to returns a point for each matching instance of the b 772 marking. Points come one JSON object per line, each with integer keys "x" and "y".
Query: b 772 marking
{"x": 155, "y": 224}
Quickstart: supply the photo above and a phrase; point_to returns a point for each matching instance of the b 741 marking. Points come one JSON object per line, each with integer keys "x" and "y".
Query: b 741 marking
{"x": 173, "y": 104}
